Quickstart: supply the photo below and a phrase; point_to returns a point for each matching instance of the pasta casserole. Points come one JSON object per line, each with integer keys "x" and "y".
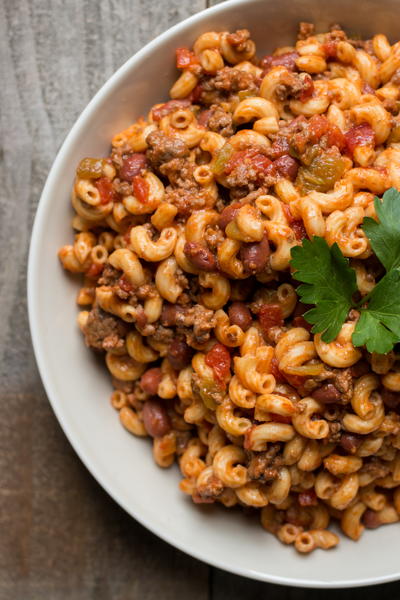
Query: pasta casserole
{"x": 240, "y": 271}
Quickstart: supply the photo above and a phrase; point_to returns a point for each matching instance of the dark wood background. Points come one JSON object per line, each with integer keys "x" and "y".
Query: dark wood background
{"x": 61, "y": 536}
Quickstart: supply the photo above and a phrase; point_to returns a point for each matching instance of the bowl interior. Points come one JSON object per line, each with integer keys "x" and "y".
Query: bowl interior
{"x": 77, "y": 383}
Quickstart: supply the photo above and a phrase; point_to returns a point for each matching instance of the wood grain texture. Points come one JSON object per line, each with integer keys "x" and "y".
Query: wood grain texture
{"x": 61, "y": 536}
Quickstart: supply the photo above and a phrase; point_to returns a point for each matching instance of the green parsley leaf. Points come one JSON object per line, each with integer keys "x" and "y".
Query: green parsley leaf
{"x": 379, "y": 325}
{"x": 328, "y": 282}
{"x": 385, "y": 235}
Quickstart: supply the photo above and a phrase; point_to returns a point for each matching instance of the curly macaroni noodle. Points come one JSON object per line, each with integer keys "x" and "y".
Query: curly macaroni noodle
{"x": 183, "y": 235}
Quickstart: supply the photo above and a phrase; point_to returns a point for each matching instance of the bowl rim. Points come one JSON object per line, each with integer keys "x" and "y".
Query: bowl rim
{"x": 40, "y": 354}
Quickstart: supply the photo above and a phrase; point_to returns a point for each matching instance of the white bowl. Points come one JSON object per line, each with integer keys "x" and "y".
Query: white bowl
{"x": 77, "y": 383}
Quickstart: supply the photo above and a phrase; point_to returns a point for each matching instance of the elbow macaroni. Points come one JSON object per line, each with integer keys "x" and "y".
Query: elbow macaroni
{"x": 184, "y": 237}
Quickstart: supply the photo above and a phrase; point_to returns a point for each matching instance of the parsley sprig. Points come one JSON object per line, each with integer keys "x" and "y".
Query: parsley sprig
{"x": 329, "y": 282}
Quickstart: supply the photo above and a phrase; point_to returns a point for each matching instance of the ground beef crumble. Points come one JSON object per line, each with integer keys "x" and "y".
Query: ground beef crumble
{"x": 104, "y": 331}
{"x": 226, "y": 84}
{"x": 163, "y": 148}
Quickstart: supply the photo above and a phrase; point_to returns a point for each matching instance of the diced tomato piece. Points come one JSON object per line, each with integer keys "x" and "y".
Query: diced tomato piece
{"x": 279, "y": 147}
{"x": 330, "y": 49}
{"x": 219, "y": 359}
{"x": 279, "y": 378}
{"x": 251, "y": 157}
{"x": 301, "y": 322}
{"x": 195, "y": 94}
{"x": 335, "y": 137}
{"x": 106, "y": 190}
{"x": 299, "y": 230}
{"x": 270, "y": 315}
{"x": 318, "y": 125}
{"x": 140, "y": 189}
{"x": 185, "y": 58}
{"x": 288, "y": 213}
{"x": 307, "y": 90}
{"x": 360, "y": 135}
{"x": 94, "y": 270}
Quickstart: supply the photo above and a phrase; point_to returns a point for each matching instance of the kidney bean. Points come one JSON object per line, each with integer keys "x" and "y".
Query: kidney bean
{"x": 255, "y": 256}
{"x": 360, "y": 368}
{"x": 326, "y": 393}
{"x": 300, "y": 309}
{"x": 132, "y": 165}
{"x": 371, "y": 519}
{"x": 179, "y": 354}
{"x": 350, "y": 442}
{"x": 150, "y": 381}
{"x": 169, "y": 314}
{"x": 287, "y": 166}
{"x": 240, "y": 315}
{"x": 301, "y": 322}
{"x": 155, "y": 418}
{"x": 200, "y": 256}
{"x": 390, "y": 399}
{"x": 228, "y": 214}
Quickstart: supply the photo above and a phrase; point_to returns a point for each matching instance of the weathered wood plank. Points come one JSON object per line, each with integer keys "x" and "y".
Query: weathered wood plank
{"x": 61, "y": 535}
{"x": 231, "y": 587}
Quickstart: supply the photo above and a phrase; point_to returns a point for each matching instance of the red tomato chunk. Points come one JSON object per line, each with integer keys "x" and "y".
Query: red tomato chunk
{"x": 251, "y": 157}
{"x": 106, "y": 191}
{"x": 299, "y": 230}
{"x": 330, "y": 49}
{"x": 270, "y": 315}
{"x": 307, "y": 90}
{"x": 219, "y": 359}
{"x": 94, "y": 270}
{"x": 140, "y": 188}
{"x": 361, "y": 135}
{"x": 185, "y": 58}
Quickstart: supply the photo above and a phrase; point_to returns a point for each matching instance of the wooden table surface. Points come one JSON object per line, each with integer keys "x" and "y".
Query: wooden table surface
{"x": 61, "y": 536}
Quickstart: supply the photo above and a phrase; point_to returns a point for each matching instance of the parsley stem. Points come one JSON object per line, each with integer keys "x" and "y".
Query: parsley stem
{"x": 363, "y": 300}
